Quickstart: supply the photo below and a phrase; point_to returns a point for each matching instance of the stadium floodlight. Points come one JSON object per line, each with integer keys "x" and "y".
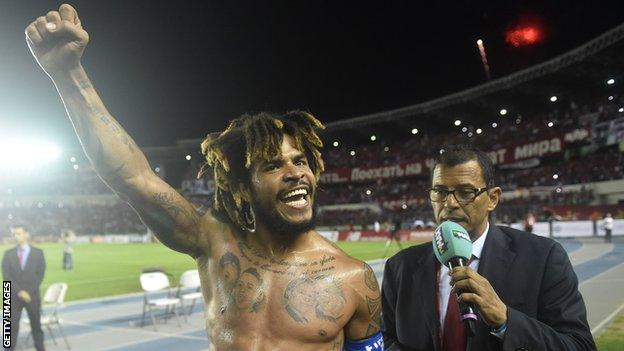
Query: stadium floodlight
{"x": 555, "y": 176}
{"x": 352, "y": 153}
{"x": 610, "y": 97}
{"x": 17, "y": 154}
{"x": 553, "y": 98}
{"x": 503, "y": 112}
{"x": 457, "y": 122}
{"x": 336, "y": 143}
{"x": 464, "y": 130}
{"x": 621, "y": 109}
{"x": 368, "y": 192}
{"x": 550, "y": 124}
{"x": 479, "y": 130}
{"x": 415, "y": 131}
{"x": 611, "y": 81}
{"x": 494, "y": 125}
{"x": 404, "y": 206}
{"x": 373, "y": 137}
{"x": 188, "y": 157}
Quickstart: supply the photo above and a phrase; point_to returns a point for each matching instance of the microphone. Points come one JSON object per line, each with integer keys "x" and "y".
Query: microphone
{"x": 453, "y": 248}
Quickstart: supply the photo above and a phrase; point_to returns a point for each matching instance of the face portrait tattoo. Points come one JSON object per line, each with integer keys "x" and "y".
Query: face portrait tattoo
{"x": 248, "y": 291}
{"x": 306, "y": 297}
{"x": 230, "y": 268}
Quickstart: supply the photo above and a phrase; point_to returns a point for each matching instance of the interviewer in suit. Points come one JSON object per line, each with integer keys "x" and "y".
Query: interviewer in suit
{"x": 523, "y": 286}
{"x": 24, "y": 265}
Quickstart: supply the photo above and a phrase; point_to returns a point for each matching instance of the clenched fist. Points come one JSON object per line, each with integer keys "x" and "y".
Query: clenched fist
{"x": 57, "y": 40}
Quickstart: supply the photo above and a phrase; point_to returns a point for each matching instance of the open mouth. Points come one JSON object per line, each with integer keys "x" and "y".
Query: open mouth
{"x": 297, "y": 198}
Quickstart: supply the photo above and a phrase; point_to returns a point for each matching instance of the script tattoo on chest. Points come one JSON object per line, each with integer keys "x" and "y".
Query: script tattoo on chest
{"x": 320, "y": 296}
{"x": 284, "y": 267}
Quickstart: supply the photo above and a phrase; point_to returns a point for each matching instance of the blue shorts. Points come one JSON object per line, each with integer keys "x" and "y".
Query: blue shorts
{"x": 374, "y": 343}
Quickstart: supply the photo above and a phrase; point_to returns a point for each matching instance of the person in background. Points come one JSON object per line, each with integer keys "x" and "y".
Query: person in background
{"x": 24, "y": 265}
{"x": 68, "y": 237}
{"x": 529, "y": 222}
{"x": 608, "y": 227}
{"x": 393, "y": 237}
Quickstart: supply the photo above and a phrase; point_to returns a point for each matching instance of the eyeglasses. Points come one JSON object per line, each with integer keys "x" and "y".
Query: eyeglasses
{"x": 463, "y": 195}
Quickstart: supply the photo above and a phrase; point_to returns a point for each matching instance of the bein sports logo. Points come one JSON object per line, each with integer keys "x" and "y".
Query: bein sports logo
{"x": 461, "y": 235}
{"x": 439, "y": 241}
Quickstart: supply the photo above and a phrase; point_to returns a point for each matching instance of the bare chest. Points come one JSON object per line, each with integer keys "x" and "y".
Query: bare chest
{"x": 251, "y": 296}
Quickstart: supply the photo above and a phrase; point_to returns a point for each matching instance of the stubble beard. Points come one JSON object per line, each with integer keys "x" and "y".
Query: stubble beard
{"x": 281, "y": 228}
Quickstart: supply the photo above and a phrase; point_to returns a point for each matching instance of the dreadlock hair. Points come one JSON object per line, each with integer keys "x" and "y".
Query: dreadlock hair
{"x": 230, "y": 153}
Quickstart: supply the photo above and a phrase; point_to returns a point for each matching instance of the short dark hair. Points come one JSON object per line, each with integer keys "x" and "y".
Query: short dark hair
{"x": 229, "y": 258}
{"x": 454, "y": 155}
{"x": 254, "y": 272}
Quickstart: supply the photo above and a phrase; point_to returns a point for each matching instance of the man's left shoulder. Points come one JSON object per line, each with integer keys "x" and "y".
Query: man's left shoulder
{"x": 529, "y": 243}
{"x": 36, "y": 250}
{"x": 520, "y": 236}
{"x": 358, "y": 274}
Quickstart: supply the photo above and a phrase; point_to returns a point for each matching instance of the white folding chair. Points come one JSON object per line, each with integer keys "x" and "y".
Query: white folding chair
{"x": 157, "y": 282}
{"x": 189, "y": 280}
{"x": 54, "y": 297}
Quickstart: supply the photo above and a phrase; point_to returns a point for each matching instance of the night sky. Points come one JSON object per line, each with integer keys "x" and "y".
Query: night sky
{"x": 171, "y": 70}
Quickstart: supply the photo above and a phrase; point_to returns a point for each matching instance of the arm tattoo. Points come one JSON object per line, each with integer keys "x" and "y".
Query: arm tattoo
{"x": 369, "y": 278}
{"x": 167, "y": 201}
{"x": 374, "y": 308}
{"x": 113, "y": 125}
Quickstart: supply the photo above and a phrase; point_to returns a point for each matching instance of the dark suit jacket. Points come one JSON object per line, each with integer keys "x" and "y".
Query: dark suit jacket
{"x": 28, "y": 279}
{"x": 532, "y": 275}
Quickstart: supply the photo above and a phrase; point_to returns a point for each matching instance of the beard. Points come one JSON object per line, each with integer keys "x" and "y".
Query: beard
{"x": 281, "y": 227}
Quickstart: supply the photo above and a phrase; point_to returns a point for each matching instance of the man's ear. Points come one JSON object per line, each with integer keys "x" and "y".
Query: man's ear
{"x": 494, "y": 195}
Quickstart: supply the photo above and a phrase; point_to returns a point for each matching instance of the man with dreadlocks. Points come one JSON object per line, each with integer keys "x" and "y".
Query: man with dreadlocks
{"x": 270, "y": 282}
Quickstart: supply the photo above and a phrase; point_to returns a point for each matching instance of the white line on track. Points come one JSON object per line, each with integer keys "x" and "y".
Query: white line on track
{"x": 608, "y": 319}
{"x": 599, "y": 274}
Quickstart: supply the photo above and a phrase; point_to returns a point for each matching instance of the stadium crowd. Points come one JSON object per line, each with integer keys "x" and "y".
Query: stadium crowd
{"x": 401, "y": 200}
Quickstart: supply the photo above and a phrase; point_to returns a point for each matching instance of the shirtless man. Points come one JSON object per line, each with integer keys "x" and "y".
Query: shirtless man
{"x": 270, "y": 282}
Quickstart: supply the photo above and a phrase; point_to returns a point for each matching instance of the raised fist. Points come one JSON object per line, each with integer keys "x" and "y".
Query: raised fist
{"x": 57, "y": 40}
